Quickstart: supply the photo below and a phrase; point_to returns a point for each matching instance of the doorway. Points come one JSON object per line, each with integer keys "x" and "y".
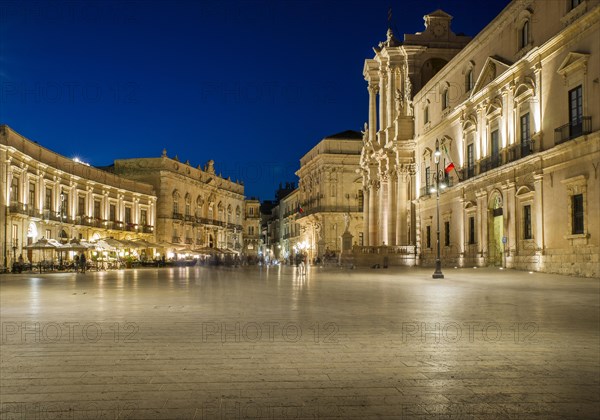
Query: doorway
{"x": 496, "y": 232}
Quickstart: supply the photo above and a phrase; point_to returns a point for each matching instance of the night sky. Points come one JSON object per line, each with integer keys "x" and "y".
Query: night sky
{"x": 251, "y": 84}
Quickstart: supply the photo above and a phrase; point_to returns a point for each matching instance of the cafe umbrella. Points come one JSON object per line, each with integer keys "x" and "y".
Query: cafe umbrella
{"x": 44, "y": 244}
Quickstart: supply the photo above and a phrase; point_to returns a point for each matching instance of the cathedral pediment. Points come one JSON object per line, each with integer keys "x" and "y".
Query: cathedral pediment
{"x": 439, "y": 13}
{"x": 573, "y": 62}
{"x": 493, "y": 67}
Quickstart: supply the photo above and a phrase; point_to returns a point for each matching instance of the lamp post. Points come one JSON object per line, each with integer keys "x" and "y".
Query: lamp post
{"x": 15, "y": 245}
{"x": 437, "y": 274}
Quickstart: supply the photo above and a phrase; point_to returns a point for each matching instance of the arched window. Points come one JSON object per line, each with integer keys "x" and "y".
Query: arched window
{"x": 220, "y": 211}
{"x": 445, "y": 98}
{"x": 469, "y": 80}
{"x": 469, "y": 73}
{"x": 175, "y": 202}
{"x": 524, "y": 35}
{"x": 426, "y": 114}
{"x": 199, "y": 204}
{"x": 188, "y": 205}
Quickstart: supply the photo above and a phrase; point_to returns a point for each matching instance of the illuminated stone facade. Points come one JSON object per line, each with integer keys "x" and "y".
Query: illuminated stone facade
{"x": 517, "y": 112}
{"x": 329, "y": 194}
{"x": 198, "y": 211}
{"x": 251, "y": 227}
{"x": 44, "y": 194}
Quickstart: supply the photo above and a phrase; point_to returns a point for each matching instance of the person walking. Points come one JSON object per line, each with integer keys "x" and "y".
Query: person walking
{"x": 82, "y": 262}
{"x": 76, "y": 263}
{"x": 21, "y": 263}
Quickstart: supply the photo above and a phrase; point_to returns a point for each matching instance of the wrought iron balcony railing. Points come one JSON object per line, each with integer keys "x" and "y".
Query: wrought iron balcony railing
{"x": 573, "y": 129}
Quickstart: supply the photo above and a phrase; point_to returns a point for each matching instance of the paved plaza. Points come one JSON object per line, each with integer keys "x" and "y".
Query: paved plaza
{"x": 251, "y": 342}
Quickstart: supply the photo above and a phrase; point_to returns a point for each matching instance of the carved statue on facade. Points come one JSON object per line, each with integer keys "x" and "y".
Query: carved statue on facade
{"x": 347, "y": 219}
{"x": 365, "y": 133}
{"x": 408, "y": 92}
{"x": 318, "y": 230}
{"x": 399, "y": 101}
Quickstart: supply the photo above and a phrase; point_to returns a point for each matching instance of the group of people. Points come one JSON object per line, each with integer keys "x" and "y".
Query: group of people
{"x": 80, "y": 262}
{"x": 301, "y": 264}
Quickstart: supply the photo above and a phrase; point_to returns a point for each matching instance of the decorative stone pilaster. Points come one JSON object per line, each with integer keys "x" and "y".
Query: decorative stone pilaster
{"x": 373, "y": 188}
{"x": 366, "y": 212}
{"x": 482, "y": 223}
{"x": 538, "y": 204}
{"x": 373, "y": 89}
{"x": 382, "y": 101}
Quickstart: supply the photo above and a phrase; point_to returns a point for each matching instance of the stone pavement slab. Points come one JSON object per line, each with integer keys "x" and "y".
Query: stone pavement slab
{"x": 251, "y": 342}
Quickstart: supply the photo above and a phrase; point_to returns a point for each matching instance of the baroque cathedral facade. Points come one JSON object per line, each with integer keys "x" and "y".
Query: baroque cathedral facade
{"x": 502, "y": 129}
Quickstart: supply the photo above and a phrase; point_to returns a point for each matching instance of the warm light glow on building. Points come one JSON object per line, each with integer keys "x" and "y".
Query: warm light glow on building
{"x": 77, "y": 160}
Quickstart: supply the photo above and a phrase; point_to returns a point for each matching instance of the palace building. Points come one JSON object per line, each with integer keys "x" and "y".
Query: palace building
{"x": 198, "y": 211}
{"x": 504, "y": 128}
{"x": 46, "y": 195}
{"x": 329, "y": 197}
{"x": 252, "y": 232}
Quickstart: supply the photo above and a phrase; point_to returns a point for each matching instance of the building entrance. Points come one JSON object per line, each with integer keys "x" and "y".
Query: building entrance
{"x": 496, "y": 232}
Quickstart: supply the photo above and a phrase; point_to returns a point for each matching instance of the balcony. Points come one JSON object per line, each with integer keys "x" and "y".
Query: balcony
{"x": 189, "y": 218}
{"x": 175, "y": 239}
{"x": 17, "y": 208}
{"x": 467, "y": 172}
{"x": 131, "y": 227}
{"x": 212, "y": 222}
{"x": 520, "y": 150}
{"x": 24, "y": 209}
{"x": 177, "y": 216}
{"x": 448, "y": 181}
{"x": 572, "y": 130}
{"x": 330, "y": 209}
{"x": 93, "y": 222}
{"x": 148, "y": 229}
{"x": 489, "y": 163}
{"x": 189, "y": 241}
{"x": 114, "y": 225}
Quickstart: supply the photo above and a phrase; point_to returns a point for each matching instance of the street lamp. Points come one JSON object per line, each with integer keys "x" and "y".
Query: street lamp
{"x": 437, "y": 274}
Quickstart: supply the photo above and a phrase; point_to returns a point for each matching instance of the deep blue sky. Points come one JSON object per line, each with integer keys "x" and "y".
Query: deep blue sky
{"x": 251, "y": 84}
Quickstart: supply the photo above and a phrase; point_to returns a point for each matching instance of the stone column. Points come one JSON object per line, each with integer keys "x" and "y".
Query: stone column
{"x": 373, "y": 89}
{"x": 373, "y": 191}
{"x": 482, "y": 222}
{"x": 136, "y": 212}
{"x": 121, "y": 208}
{"x": 479, "y": 136}
{"x": 462, "y": 228}
{"x": 511, "y": 219}
{"x": 537, "y": 104}
{"x": 504, "y": 127}
{"x": 401, "y": 208}
{"x": 380, "y": 211}
{"x": 511, "y": 137}
{"x": 366, "y": 214}
{"x": 390, "y": 96}
{"x": 538, "y": 210}
{"x": 41, "y": 192}
{"x": 382, "y": 103}
{"x": 392, "y": 203}
{"x": 383, "y": 210}
{"x": 104, "y": 205}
